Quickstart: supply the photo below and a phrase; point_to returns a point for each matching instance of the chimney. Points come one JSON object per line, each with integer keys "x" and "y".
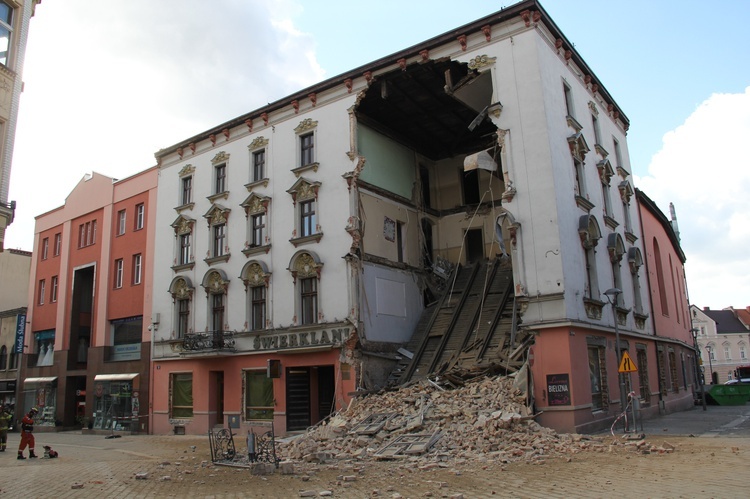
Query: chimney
{"x": 673, "y": 215}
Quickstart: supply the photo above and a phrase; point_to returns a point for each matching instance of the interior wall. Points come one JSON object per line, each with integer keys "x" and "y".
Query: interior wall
{"x": 392, "y": 304}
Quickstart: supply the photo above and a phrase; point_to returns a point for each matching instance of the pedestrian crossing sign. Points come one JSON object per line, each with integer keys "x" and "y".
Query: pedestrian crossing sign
{"x": 626, "y": 364}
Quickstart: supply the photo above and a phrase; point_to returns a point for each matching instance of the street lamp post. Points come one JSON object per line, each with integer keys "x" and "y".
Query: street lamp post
{"x": 612, "y": 295}
{"x": 710, "y": 364}
{"x": 697, "y": 367}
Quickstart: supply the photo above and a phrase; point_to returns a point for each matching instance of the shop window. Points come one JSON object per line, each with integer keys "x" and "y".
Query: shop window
{"x": 114, "y": 405}
{"x": 3, "y": 358}
{"x": 598, "y": 377}
{"x": 645, "y": 390}
{"x": 126, "y": 338}
{"x": 673, "y": 371}
{"x": 181, "y": 395}
{"x": 45, "y": 348}
{"x": 259, "y": 399}
{"x": 43, "y": 396}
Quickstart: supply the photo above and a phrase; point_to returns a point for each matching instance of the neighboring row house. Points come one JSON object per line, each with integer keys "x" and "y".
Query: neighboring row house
{"x": 723, "y": 339}
{"x": 15, "y": 267}
{"x": 464, "y": 203}
{"x": 88, "y": 350}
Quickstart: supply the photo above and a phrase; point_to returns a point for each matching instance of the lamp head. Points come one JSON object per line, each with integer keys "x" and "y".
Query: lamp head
{"x": 613, "y": 292}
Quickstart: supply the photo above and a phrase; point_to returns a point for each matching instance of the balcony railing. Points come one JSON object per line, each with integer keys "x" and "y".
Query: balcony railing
{"x": 209, "y": 341}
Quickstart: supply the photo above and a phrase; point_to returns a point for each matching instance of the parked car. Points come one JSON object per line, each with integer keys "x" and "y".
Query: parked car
{"x": 735, "y": 381}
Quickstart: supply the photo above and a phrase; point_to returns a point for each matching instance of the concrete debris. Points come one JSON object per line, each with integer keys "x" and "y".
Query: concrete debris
{"x": 141, "y": 476}
{"x": 76, "y": 486}
{"x": 484, "y": 417}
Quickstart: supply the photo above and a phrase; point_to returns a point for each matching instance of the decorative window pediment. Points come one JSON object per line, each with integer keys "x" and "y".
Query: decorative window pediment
{"x": 305, "y": 264}
{"x": 635, "y": 260}
{"x": 215, "y": 282}
{"x": 626, "y": 191}
{"x": 588, "y": 230}
{"x": 303, "y": 190}
{"x": 306, "y": 125}
{"x": 606, "y": 172}
{"x": 181, "y": 288}
{"x": 221, "y": 157}
{"x": 258, "y": 143}
{"x": 183, "y": 225}
{"x": 217, "y": 214}
{"x": 186, "y": 170}
{"x": 255, "y": 204}
{"x": 615, "y": 247}
{"x": 255, "y": 273}
{"x": 578, "y": 146}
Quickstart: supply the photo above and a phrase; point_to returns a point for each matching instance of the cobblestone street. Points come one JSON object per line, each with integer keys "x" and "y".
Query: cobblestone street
{"x": 707, "y": 465}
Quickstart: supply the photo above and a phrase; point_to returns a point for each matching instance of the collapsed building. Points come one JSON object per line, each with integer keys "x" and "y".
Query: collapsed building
{"x": 465, "y": 202}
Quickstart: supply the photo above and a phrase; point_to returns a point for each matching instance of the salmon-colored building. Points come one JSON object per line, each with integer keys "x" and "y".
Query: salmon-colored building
{"x": 87, "y": 348}
{"x": 672, "y": 365}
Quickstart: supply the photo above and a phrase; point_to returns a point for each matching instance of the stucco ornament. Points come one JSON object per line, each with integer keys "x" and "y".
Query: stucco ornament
{"x": 215, "y": 283}
{"x": 305, "y": 125}
{"x": 481, "y": 62}
{"x": 186, "y": 170}
{"x": 258, "y": 142}
{"x": 181, "y": 290}
{"x": 255, "y": 276}
{"x": 305, "y": 266}
{"x": 221, "y": 157}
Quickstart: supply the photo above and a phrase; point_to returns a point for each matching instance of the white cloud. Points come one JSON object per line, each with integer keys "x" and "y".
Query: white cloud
{"x": 703, "y": 169}
{"x": 107, "y": 84}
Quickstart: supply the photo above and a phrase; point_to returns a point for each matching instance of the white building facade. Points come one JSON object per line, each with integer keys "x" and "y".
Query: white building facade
{"x": 299, "y": 246}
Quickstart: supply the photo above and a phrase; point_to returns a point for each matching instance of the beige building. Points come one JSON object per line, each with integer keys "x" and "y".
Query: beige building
{"x": 14, "y": 28}
{"x": 14, "y": 284}
{"x": 723, "y": 341}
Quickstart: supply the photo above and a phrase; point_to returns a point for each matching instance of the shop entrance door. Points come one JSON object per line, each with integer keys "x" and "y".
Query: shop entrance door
{"x": 297, "y": 398}
{"x": 216, "y": 396}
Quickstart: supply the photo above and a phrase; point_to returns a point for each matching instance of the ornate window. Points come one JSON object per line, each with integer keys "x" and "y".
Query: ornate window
{"x": 306, "y": 138}
{"x": 182, "y": 295}
{"x": 305, "y": 196}
{"x": 220, "y": 181}
{"x": 186, "y": 187}
{"x": 305, "y": 267}
{"x": 626, "y": 192}
{"x": 256, "y": 211}
{"x": 6, "y": 32}
{"x": 578, "y": 149}
{"x": 635, "y": 262}
{"x": 588, "y": 230}
{"x": 258, "y": 163}
{"x": 605, "y": 176}
{"x": 216, "y": 283}
{"x": 217, "y": 217}
{"x": 183, "y": 230}
{"x": 616, "y": 249}
{"x": 256, "y": 277}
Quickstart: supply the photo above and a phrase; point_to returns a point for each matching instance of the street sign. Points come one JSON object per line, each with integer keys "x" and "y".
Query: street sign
{"x": 626, "y": 364}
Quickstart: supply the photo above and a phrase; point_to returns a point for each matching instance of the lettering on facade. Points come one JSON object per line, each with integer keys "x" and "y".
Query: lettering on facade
{"x": 302, "y": 339}
{"x": 558, "y": 389}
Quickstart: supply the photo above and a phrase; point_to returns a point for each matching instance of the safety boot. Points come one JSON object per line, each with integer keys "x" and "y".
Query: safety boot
{"x": 32, "y": 455}
{"x": 20, "y": 456}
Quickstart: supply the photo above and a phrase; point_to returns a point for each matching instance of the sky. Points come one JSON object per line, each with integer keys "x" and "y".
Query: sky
{"x": 108, "y": 84}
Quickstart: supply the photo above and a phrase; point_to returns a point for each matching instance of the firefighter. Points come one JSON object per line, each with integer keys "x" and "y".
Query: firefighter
{"x": 27, "y": 434}
{"x": 5, "y": 418}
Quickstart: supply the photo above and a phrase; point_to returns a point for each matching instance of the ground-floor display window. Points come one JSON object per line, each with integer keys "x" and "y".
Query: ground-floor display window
{"x": 43, "y": 396}
{"x": 181, "y": 395}
{"x": 258, "y": 396}
{"x": 116, "y": 405}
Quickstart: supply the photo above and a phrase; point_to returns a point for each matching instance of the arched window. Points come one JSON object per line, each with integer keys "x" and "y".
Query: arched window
{"x": 182, "y": 295}
{"x": 216, "y": 283}
{"x": 588, "y": 230}
{"x": 616, "y": 248}
{"x": 635, "y": 261}
{"x": 306, "y": 267}
{"x": 660, "y": 280}
{"x": 257, "y": 278}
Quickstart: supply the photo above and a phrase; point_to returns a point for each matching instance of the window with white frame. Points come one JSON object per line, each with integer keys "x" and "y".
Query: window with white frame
{"x": 588, "y": 230}
{"x": 597, "y": 131}
{"x": 306, "y": 138}
{"x": 121, "y": 216}
{"x": 259, "y": 165}
{"x": 306, "y": 269}
{"x": 258, "y": 230}
{"x": 220, "y": 178}
{"x": 182, "y": 294}
{"x": 578, "y": 149}
{"x": 743, "y": 353}
{"x": 140, "y": 213}
{"x": 568, "y": 94}
{"x": 53, "y": 291}
{"x": 6, "y": 32}
{"x": 119, "y": 269}
{"x": 183, "y": 229}
{"x": 42, "y": 291}
{"x": 727, "y": 352}
{"x": 217, "y": 224}
{"x": 58, "y": 244}
{"x": 305, "y": 196}
{"x": 187, "y": 190}
{"x": 45, "y": 248}
{"x": 87, "y": 234}
{"x": 137, "y": 267}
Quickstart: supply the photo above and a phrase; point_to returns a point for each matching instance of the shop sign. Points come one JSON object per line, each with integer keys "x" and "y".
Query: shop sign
{"x": 301, "y": 339}
{"x": 20, "y": 331}
{"x": 130, "y": 351}
{"x": 558, "y": 389}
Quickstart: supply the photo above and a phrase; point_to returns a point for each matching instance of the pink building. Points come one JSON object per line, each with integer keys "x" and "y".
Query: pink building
{"x": 87, "y": 351}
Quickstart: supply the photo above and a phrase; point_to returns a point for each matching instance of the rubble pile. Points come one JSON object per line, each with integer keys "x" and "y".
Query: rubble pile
{"x": 483, "y": 418}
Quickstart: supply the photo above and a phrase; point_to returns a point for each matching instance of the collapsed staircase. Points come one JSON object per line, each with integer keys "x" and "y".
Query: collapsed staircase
{"x": 471, "y": 326}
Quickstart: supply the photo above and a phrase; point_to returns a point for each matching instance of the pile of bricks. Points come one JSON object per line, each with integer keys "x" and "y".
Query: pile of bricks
{"x": 485, "y": 418}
